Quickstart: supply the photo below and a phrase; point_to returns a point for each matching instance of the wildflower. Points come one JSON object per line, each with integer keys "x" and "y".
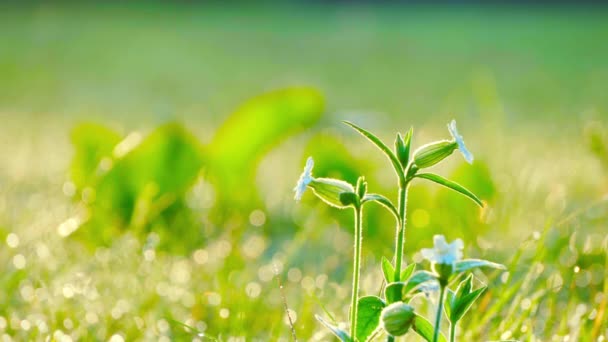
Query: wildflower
{"x": 468, "y": 156}
{"x": 335, "y": 192}
{"x": 443, "y": 257}
{"x": 443, "y": 252}
{"x": 305, "y": 179}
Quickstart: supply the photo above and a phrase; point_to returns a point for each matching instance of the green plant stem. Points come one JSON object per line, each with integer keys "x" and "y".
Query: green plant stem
{"x": 400, "y": 230}
{"x": 390, "y": 338}
{"x": 438, "y": 318}
{"x": 452, "y": 332}
{"x": 356, "y": 271}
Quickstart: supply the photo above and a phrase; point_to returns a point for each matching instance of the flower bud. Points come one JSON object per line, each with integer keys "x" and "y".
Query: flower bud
{"x": 397, "y": 318}
{"x": 333, "y": 192}
{"x": 431, "y": 154}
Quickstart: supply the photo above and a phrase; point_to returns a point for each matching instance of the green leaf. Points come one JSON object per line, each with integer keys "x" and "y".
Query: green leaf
{"x": 242, "y": 141}
{"x": 385, "y": 202}
{"x": 369, "y": 309}
{"x": 452, "y": 185}
{"x": 402, "y": 147}
{"x": 465, "y": 286}
{"x": 387, "y": 151}
{"x": 449, "y": 300}
{"x": 462, "y": 304}
{"x": 467, "y": 264}
{"x": 425, "y": 329}
{"x": 339, "y": 333}
{"x": 417, "y": 279}
{"x": 394, "y": 292}
{"x": 388, "y": 270}
{"x": 400, "y": 151}
{"x": 407, "y": 272}
{"x": 92, "y": 143}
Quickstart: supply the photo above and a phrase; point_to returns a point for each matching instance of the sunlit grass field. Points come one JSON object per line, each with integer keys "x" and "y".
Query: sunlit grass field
{"x": 528, "y": 87}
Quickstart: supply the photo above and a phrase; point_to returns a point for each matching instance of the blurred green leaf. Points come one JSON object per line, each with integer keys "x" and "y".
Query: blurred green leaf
{"x": 92, "y": 142}
{"x": 369, "y": 309}
{"x": 143, "y": 181}
{"x": 249, "y": 133}
{"x": 467, "y": 264}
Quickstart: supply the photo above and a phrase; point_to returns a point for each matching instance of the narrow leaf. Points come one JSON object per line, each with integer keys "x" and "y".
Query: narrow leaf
{"x": 462, "y": 305}
{"x": 407, "y": 272}
{"x": 388, "y": 270}
{"x": 339, "y": 333}
{"x": 449, "y": 300}
{"x": 394, "y": 292}
{"x": 400, "y": 151}
{"x": 452, "y": 185}
{"x": 467, "y": 264}
{"x": 385, "y": 202}
{"x": 417, "y": 279}
{"x": 369, "y": 309}
{"x": 379, "y": 144}
{"x": 425, "y": 329}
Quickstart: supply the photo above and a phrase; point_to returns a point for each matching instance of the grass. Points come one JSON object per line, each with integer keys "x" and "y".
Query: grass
{"x": 522, "y": 83}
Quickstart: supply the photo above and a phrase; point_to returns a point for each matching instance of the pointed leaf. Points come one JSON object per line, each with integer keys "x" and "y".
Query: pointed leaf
{"x": 425, "y": 329}
{"x": 369, "y": 309}
{"x": 417, "y": 279}
{"x": 452, "y": 185}
{"x": 462, "y": 305}
{"x": 394, "y": 292}
{"x": 467, "y": 264}
{"x": 400, "y": 151}
{"x": 407, "y": 272}
{"x": 379, "y": 144}
{"x": 385, "y": 202}
{"x": 339, "y": 333}
{"x": 465, "y": 286}
{"x": 388, "y": 270}
{"x": 449, "y": 300}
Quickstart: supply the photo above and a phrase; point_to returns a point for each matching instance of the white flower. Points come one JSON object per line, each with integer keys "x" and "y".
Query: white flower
{"x": 468, "y": 156}
{"x": 443, "y": 252}
{"x": 304, "y": 180}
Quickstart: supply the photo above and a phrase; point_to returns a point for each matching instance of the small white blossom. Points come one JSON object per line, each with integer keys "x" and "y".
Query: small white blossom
{"x": 443, "y": 252}
{"x": 468, "y": 156}
{"x": 304, "y": 180}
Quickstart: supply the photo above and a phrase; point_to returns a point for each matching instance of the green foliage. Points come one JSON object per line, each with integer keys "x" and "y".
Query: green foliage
{"x": 425, "y": 329}
{"x": 452, "y": 185}
{"x": 92, "y": 143}
{"x": 469, "y": 264}
{"x": 339, "y": 333}
{"x": 459, "y": 302}
{"x": 368, "y": 316}
{"x": 382, "y": 147}
{"x": 142, "y": 185}
{"x": 242, "y": 140}
{"x": 387, "y": 270}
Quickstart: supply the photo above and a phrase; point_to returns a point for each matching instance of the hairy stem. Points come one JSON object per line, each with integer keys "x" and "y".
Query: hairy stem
{"x": 356, "y": 271}
{"x": 438, "y": 318}
{"x": 400, "y": 230}
{"x": 452, "y": 332}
